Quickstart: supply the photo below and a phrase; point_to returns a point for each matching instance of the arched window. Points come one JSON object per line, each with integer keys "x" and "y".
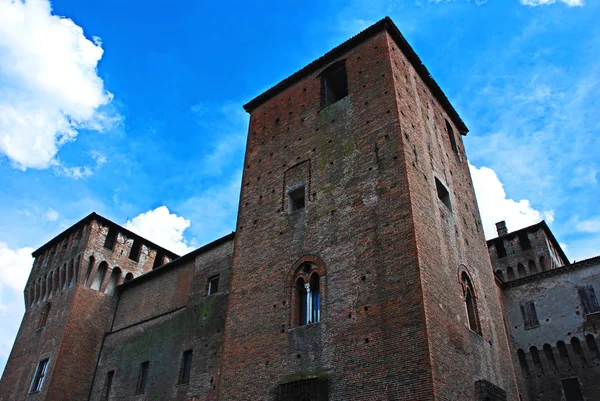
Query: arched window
{"x": 309, "y": 300}
{"x": 532, "y": 267}
{"x": 499, "y": 274}
{"x": 563, "y": 353}
{"x": 510, "y": 273}
{"x": 128, "y": 277}
{"x": 91, "y": 262}
{"x": 99, "y": 277}
{"x": 543, "y": 263}
{"x": 523, "y": 362}
{"x": 521, "y": 270}
{"x": 537, "y": 362}
{"x": 306, "y": 296}
{"x": 113, "y": 281}
{"x": 63, "y": 277}
{"x": 50, "y": 284}
{"x": 593, "y": 347}
{"x": 550, "y": 356}
{"x": 44, "y": 316}
{"x": 470, "y": 303}
{"x": 576, "y": 345}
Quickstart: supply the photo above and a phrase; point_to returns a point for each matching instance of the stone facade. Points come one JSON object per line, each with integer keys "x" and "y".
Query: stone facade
{"x": 358, "y": 271}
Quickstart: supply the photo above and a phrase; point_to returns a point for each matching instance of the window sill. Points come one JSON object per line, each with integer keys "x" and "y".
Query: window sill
{"x": 532, "y": 327}
{"x": 183, "y": 385}
{"x": 305, "y": 326}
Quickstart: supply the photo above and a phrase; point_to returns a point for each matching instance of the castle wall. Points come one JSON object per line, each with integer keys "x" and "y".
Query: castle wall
{"x": 450, "y": 241}
{"x": 371, "y": 342}
{"x": 158, "y": 318}
{"x": 561, "y": 318}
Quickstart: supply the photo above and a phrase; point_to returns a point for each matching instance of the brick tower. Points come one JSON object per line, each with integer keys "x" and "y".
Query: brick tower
{"x": 360, "y": 267}
{"x": 69, "y": 304}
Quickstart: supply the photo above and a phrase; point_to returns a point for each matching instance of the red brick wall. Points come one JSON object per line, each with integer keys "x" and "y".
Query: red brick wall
{"x": 371, "y": 343}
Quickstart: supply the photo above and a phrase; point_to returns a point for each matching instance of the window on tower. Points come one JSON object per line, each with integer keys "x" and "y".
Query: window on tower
{"x": 334, "y": 83}
{"x": 40, "y": 375}
{"x": 470, "y": 303}
{"x": 443, "y": 193}
{"x": 308, "y": 298}
{"x": 297, "y": 199}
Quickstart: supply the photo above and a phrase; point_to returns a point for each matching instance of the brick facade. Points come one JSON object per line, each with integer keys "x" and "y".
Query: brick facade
{"x": 358, "y": 270}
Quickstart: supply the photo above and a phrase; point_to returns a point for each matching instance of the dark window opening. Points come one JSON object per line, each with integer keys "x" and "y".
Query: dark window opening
{"x": 529, "y": 314}
{"x": 44, "y": 316}
{"x": 451, "y": 136}
{"x": 471, "y": 304}
{"x": 563, "y": 353}
{"x": 576, "y": 345}
{"x": 532, "y": 267}
{"x": 537, "y": 362}
{"x": 186, "y": 366}
{"x": 589, "y": 300}
{"x": 108, "y": 385}
{"x": 297, "y": 199}
{"x": 499, "y": 274}
{"x": 128, "y": 277}
{"x": 550, "y": 356}
{"x": 213, "y": 285}
{"x": 572, "y": 389}
{"x": 523, "y": 362}
{"x": 134, "y": 253}
{"x": 142, "y": 378}
{"x": 111, "y": 238}
{"x": 524, "y": 241}
{"x": 39, "y": 376}
{"x": 521, "y": 270}
{"x": 510, "y": 273}
{"x": 443, "y": 193}
{"x": 303, "y": 390}
{"x": 500, "y": 250}
{"x": 334, "y": 84}
{"x": 158, "y": 259}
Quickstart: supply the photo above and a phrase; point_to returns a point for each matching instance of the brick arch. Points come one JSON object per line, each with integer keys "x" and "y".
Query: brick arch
{"x": 463, "y": 269}
{"x": 294, "y": 274}
{"x": 314, "y": 260}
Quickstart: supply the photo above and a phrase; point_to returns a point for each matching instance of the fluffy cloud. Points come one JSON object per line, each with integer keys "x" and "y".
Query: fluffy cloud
{"x": 49, "y": 86}
{"x": 570, "y": 3}
{"x": 15, "y": 265}
{"x": 589, "y": 226}
{"x": 51, "y": 214}
{"x": 494, "y": 206}
{"x": 162, "y": 227}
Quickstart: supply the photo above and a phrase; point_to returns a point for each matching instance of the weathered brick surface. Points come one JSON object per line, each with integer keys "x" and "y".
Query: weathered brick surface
{"x": 157, "y": 319}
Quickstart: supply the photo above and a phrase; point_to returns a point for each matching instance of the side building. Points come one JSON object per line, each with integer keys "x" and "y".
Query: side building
{"x": 552, "y": 314}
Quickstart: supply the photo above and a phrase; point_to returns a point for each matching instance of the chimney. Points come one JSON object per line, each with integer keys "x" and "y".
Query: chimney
{"x": 501, "y": 228}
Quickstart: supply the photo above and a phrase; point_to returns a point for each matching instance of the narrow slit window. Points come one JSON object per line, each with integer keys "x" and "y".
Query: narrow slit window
{"x": 186, "y": 367}
{"x": 40, "y": 375}
{"x": 471, "y": 304}
{"x": 142, "y": 378}
{"x": 111, "y": 237}
{"x": 451, "y": 137}
{"x": 213, "y": 285}
{"x": 334, "y": 84}
{"x": 108, "y": 385}
{"x": 443, "y": 194}
{"x": 134, "y": 253}
{"x": 297, "y": 199}
{"x": 44, "y": 316}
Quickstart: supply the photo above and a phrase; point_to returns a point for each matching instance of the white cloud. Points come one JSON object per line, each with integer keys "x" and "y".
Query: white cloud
{"x": 162, "y": 227}
{"x": 51, "y": 214}
{"x": 570, "y": 3}
{"x": 49, "y": 86}
{"x": 589, "y": 226}
{"x": 494, "y": 206}
{"x": 15, "y": 265}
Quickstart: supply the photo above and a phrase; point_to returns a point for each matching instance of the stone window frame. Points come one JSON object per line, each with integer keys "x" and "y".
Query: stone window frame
{"x": 299, "y": 271}
{"x": 469, "y": 297}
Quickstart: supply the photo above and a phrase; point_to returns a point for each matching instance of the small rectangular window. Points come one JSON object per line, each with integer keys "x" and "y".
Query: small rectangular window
{"x": 500, "y": 250}
{"x": 186, "y": 366}
{"x": 572, "y": 389}
{"x": 134, "y": 253}
{"x": 524, "y": 241}
{"x": 108, "y": 385}
{"x": 111, "y": 237}
{"x": 334, "y": 84}
{"x": 296, "y": 199}
{"x": 39, "y": 376}
{"x": 308, "y": 389}
{"x": 142, "y": 378}
{"x": 451, "y": 137}
{"x": 443, "y": 193}
{"x": 213, "y": 285}
{"x": 530, "y": 318}
{"x": 589, "y": 300}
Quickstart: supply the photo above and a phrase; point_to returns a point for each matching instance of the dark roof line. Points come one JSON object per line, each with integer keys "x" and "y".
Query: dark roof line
{"x": 385, "y": 24}
{"x": 94, "y": 216}
{"x": 542, "y": 224}
{"x": 554, "y": 272}
{"x": 177, "y": 262}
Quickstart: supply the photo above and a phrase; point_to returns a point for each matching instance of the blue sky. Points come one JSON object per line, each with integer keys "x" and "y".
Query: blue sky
{"x": 134, "y": 110}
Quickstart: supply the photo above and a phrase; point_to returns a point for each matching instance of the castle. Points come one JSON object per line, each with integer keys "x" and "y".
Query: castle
{"x": 358, "y": 269}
